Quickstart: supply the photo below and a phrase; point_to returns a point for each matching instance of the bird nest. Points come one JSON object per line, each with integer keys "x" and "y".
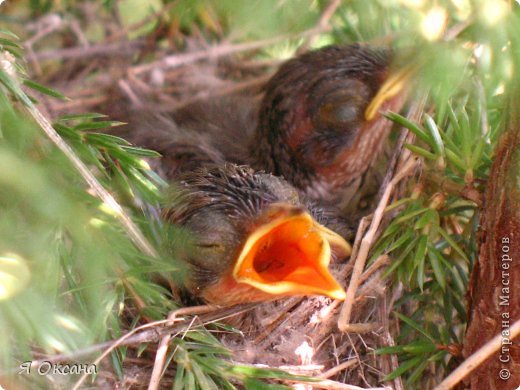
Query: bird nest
{"x": 316, "y": 336}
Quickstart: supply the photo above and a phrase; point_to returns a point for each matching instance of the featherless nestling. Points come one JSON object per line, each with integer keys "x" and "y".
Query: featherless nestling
{"x": 253, "y": 237}
{"x": 319, "y": 123}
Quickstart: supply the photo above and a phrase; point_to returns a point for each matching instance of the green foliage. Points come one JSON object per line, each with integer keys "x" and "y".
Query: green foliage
{"x": 432, "y": 238}
{"x": 65, "y": 259}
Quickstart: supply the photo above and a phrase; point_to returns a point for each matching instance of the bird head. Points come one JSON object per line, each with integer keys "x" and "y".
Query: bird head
{"x": 253, "y": 238}
{"x": 319, "y": 122}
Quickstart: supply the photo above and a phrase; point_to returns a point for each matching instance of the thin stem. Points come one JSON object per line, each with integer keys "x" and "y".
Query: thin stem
{"x": 477, "y": 358}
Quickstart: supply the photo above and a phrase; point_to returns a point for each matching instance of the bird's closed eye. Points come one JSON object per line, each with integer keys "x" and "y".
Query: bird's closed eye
{"x": 213, "y": 246}
{"x": 342, "y": 114}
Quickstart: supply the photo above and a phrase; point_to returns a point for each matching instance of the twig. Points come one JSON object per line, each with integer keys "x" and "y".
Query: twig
{"x": 81, "y": 103}
{"x": 340, "y": 367}
{"x": 363, "y": 226}
{"x": 177, "y": 60}
{"x": 366, "y": 243}
{"x": 109, "y": 49}
{"x": 387, "y": 337}
{"x": 477, "y": 358}
{"x": 381, "y": 261}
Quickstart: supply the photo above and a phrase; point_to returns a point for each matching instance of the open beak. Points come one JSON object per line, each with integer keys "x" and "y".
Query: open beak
{"x": 289, "y": 255}
{"x": 393, "y": 85}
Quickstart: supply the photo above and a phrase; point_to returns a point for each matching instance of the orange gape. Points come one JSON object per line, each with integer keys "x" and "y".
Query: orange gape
{"x": 289, "y": 256}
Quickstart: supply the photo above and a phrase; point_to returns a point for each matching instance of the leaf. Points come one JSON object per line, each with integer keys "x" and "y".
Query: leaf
{"x": 9, "y": 33}
{"x": 117, "y": 364}
{"x": 141, "y": 152}
{"x": 242, "y": 370}
{"x": 453, "y": 244}
{"x": 405, "y": 366}
{"x": 401, "y": 120}
{"x": 417, "y": 373}
{"x": 438, "y": 145}
{"x": 43, "y": 89}
{"x": 179, "y": 377}
{"x": 420, "y": 347}
{"x": 204, "y": 381}
{"x": 398, "y": 203}
{"x": 420, "y": 151}
{"x": 457, "y": 210}
{"x": 397, "y": 262}
{"x": 456, "y": 160}
{"x": 67, "y": 132}
{"x": 7, "y": 42}
{"x": 105, "y": 139}
{"x": 15, "y": 52}
{"x": 132, "y": 12}
{"x": 426, "y": 219}
{"x": 405, "y": 237}
{"x": 438, "y": 270}
{"x": 14, "y": 88}
{"x": 389, "y": 350}
{"x": 419, "y": 259}
{"x": 141, "y": 348}
{"x": 438, "y": 356}
{"x": 97, "y": 125}
{"x": 414, "y": 325}
{"x": 85, "y": 116}
{"x": 255, "y": 384}
{"x": 405, "y": 216}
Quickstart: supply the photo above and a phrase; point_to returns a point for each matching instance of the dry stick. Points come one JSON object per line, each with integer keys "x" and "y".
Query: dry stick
{"x": 79, "y": 102}
{"x": 160, "y": 356}
{"x": 415, "y": 111}
{"x": 340, "y": 367}
{"x": 363, "y": 226}
{"x": 344, "y": 317}
{"x": 189, "y": 310}
{"x": 177, "y": 60}
{"x": 387, "y": 337}
{"x": 108, "y": 49}
{"x": 131, "y": 228}
{"x": 477, "y": 358}
{"x": 381, "y": 261}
